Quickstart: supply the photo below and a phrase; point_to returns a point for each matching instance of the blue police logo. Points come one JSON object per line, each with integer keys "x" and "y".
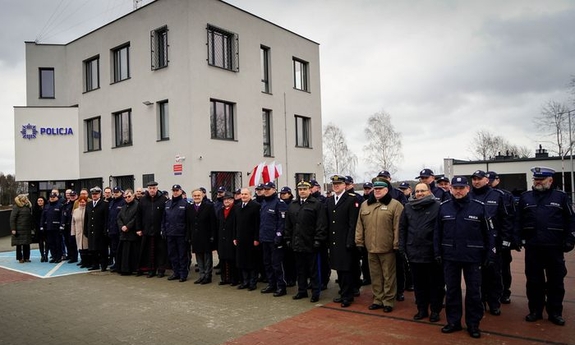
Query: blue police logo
{"x": 29, "y": 131}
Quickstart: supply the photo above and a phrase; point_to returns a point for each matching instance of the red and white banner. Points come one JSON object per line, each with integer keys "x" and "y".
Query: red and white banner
{"x": 267, "y": 172}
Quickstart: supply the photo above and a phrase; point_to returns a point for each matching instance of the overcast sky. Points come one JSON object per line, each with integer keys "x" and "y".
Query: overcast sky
{"x": 442, "y": 69}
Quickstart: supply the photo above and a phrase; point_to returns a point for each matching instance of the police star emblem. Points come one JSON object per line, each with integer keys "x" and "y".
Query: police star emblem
{"x": 29, "y": 131}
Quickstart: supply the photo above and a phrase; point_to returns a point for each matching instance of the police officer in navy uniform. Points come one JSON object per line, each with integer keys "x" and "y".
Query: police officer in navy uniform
{"x": 115, "y": 205}
{"x": 492, "y": 287}
{"x": 506, "y": 258}
{"x": 342, "y": 211}
{"x": 272, "y": 222}
{"x": 463, "y": 240}
{"x": 546, "y": 225}
{"x": 427, "y": 176}
{"x": 174, "y": 227}
{"x": 324, "y": 253}
{"x": 50, "y": 223}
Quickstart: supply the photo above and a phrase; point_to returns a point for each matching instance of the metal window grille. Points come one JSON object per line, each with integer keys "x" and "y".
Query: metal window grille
{"x": 147, "y": 178}
{"x": 125, "y": 182}
{"x": 231, "y": 180}
{"x": 159, "y": 47}
{"x": 223, "y": 48}
{"x": 89, "y": 183}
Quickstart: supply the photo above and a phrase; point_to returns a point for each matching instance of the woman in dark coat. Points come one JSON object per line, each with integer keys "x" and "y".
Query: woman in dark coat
{"x": 226, "y": 248}
{"x": 129, "y": 247}
{"x": 22, "y": 223}
{"x": 40, "y": 235}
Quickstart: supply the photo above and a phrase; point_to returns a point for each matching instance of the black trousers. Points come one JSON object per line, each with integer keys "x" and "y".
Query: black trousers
{"x": 22, "y": 252}
{"x": 429, "y": 286}
{"x": 308, "y": 267}
{"x": 506, "y": 260}
{"x": 492, "y": 284}
{"x": 54, "y": 241}
{"x": 346, "y": 284}
{"x": 273, "y": 263}
{"x": 545, "y": 270}
{"x": 453, "y": 304}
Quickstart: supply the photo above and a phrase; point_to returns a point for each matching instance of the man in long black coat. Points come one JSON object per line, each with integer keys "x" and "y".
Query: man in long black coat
{"x": 153, "y": 254}
{"x": 202, "y": 231}
{"x": 95, "y": 228}
{"x": 247, "y": 239}
{"x": 342, "y": 211}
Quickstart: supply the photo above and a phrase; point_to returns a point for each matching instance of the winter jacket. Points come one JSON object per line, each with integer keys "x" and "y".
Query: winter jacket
{"x": 416, "y": 228}
{"x": 272, "y": 219}
{"x": 306, "y": 224}
{"x": 21, "y": 220}
{"x": 377, "y": 226}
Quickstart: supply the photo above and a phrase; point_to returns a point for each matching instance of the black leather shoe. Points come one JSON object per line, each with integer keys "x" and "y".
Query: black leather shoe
{"x": 365, "y": 282}
{"x": 93, "y": 268}
{"x": 314, "y": 299}
{"x": 224, "y": 283}
{"x": 420, "y": 315}
{"x": 400, "y": 297}
{"x": 474, "y": 332}
{"x": 151, "y": 274}
{"x": 268, "y": 289}
{"x": 103, "y": 269}
{"x": 206, "y": 281}
{"x": 557, "y": 319}
{"x": 532, "y": 317}
{"x": 182, "y": 280}
{"x": 242, "y": 286}
{"x": 450, "y": 328}
{"x": 252, "y": 288}
{"x": 337, "y": 300}
{"x": 280, "y": 293}
{"x": 345, "y": 304}
{"x": 387, "y": 309}
{"x": 356, "y": 292}
{"x": 434, "y": 317}
{"x": 173, "y": 277}
{"x": 375, "y": 306}
{"x": 300, "y": 295}
{"x": 505, "y": 300}
{"x": 161, "y": 274}
{"x": 198, "y": 281}
{"x": 495, "y": 311}
{"x": 234, "y": 284}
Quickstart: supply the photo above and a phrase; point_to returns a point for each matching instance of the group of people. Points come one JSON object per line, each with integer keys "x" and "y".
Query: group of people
{"x": 393, "y": 238}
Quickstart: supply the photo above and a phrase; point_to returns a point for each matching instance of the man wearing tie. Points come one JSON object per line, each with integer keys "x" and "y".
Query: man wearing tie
{"x": 95, "y": 221}
{"x": 246, "y": 239}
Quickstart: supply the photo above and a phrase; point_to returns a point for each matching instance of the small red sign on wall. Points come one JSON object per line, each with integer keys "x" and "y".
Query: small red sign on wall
{"x": 177, "y": 169}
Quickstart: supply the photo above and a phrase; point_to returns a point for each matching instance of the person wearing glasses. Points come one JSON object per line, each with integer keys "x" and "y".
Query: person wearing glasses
{"x": 129, "y": 245}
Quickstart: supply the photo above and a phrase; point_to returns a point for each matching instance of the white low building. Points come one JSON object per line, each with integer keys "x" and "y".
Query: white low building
{"x": 194, "y": 92}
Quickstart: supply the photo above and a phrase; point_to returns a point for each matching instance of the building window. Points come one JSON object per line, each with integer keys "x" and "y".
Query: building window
{"x": 125, "y": 182}
{"x": 159, "y": 46}
{"x": 122, "y": 128}
{"x": 47, "y": 88}
{"x": 121, "y": 63}
{"x": 300, "y": 74}
{"x": 302, "y": 131}
{"x": 147, "y": 178}
{"x": 267, "y": 131}
{"x": 303, "y": 177}
{"x": 223, "y": 49}
{"x": 231, "y": 180}
{"x": 93, "y": 142}
{"x": 92, "y": 74}
{"x": 163, "y": 121}
{"x": 265, "y": 68}
{"x": 222, "y": 120}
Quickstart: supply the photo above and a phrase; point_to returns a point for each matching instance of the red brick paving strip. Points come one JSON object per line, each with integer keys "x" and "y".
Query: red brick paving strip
{"x": 7, "y": 276}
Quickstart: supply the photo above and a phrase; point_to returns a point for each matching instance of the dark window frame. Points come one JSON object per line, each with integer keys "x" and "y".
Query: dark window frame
{"x": 119, "y": 139}
{"x": 265, "y": 69}
{"x": 88, "y": 73}
{"x": 302, "y": 82}
{"x": 163, "y": 121}
{"x": 302, "y": 139}
{"x": 228, "y": 123}
{"x": 92, "y": 135}
{"x": 267, "y": 130}
{"x": 117, "y": 70}
{"x": 159, "y": 45}
{"x": 223, "y": 48}
{"x": 42, "y": 90}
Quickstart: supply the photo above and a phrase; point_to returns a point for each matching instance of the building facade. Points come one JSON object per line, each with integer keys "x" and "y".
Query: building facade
{"x": 194, "y": 92}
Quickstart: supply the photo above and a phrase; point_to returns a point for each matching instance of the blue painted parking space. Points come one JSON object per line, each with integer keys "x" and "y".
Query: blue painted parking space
{"x": 37, "y": 268}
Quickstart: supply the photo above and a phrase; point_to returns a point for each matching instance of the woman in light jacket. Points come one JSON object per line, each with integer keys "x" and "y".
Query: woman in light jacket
{"x": 77, "y": 229}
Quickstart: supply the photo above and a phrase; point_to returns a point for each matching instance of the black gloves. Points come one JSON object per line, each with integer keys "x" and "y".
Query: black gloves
{"x": 567, "y": 247}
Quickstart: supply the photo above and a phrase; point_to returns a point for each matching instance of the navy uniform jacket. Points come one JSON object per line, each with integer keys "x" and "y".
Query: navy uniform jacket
{"x": 305, "y": 224}
{"x": 66, "y": 215}
{"x": 272, "y": 219}
{"x": 342, "y": 219}
{"x": 440, "y": 194}
{"x": 114, "y": 207}
{"x": 545, "y": 218}
{"x": 51, "y": 216}
{"x": 463, "y": 232}
{"x": 494, "y": 202}
{"x": 174, "y": 219}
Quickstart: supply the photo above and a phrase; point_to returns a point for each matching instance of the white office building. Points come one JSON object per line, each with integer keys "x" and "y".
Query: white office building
{"x": 194, "y": 92}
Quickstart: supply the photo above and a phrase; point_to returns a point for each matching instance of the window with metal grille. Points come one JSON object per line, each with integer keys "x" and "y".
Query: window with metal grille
{"x": 121, "y": 62}
{"x": 147, "y": 178}
{"x": 125, "y": 182}
{"x": 267, "y": 131}
{"x": 223, "y": 48}
{"x": 231, "y": 180}
{"x": 265, "y": 68}
{"x": 90, "y": 183}
{"x": 92, "y": 127}
{"x": 159, "y": 47}
{"x": 122, "y": 128}
{"x": 222, "y": 120}
{"x": 302, "y": 131}
{"x": 92, "y": 74}
{"x": 163, "y": 121}
{"x": 303, "y": 177}
{"x": 47, "y": 88}
{"x": 300, "y": 74}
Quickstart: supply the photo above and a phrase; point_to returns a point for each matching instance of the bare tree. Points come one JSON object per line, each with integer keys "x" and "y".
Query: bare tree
{"x": 337, "y": 157}
{"x": 554, "y": 122}
{"x": 486, "y": 145}
{"x": 9, "y": 188}
{"x": 383, "y": 150}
